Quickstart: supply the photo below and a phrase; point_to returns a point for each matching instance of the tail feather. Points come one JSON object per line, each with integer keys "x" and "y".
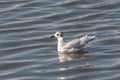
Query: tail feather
{"x": 92, "y": 37}
{"x": 87, "y": 39}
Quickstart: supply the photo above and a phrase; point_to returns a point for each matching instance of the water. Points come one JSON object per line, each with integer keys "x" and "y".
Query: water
{"x": 27, "y": 53}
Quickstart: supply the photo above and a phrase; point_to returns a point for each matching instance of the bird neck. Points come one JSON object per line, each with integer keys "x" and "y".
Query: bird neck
{"x": 60, "y": 43}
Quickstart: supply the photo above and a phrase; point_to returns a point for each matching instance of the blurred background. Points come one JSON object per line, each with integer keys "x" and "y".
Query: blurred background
{"x": 27, "y": 52}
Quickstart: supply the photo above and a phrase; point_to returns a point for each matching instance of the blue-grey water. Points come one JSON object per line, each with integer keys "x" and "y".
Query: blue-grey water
{"x": 27, "y": 52}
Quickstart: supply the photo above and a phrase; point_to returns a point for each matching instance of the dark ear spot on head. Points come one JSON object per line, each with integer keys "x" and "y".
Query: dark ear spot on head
{"x": 61, "y": 35}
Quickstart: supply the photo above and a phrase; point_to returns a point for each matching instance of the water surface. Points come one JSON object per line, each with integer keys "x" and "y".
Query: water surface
{"x": 27, "y": 52}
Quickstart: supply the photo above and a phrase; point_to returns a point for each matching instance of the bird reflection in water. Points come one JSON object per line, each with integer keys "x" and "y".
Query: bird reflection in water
{"x": 71, "y": 56}
{"x": 64, "y": 57}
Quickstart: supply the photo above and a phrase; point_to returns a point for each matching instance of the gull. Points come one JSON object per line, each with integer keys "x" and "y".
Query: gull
{"x": 73, "y": 45}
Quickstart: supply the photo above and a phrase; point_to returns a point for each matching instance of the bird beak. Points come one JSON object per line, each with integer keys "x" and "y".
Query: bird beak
{"x": 52, "y": 36}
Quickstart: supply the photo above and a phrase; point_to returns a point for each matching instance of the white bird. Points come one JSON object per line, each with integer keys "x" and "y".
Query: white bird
{"x": 73, "y": 45}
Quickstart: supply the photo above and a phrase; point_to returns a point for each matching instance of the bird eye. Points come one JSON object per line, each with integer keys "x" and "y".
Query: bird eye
{"x": 57, "y": 34}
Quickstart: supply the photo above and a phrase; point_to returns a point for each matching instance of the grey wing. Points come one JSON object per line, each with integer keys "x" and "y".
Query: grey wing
{"x": 73, "y": 44}
{"x": 78, "y": 43}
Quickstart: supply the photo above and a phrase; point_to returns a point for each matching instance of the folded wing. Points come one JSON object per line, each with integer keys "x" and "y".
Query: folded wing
{"x": 79, "y": 43}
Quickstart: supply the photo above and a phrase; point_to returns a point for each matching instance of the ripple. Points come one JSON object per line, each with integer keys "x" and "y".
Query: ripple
{"x": 27, "y": 52}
